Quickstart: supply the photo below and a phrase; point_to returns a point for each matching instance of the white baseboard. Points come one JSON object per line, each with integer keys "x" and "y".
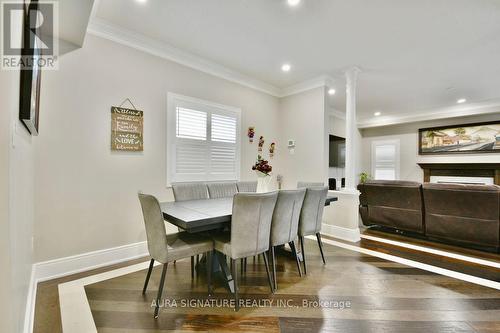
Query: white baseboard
{"x": 29, "y": 314}
{"x": 350, "y": 235}
{"x": 57, "y": 268}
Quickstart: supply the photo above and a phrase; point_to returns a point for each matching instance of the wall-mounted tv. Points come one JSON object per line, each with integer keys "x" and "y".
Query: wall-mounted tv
{"x": 337, "y": 152}
{"x": 29, "y": 103}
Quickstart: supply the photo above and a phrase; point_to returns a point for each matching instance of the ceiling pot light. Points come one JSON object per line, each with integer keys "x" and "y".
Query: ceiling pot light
{"x": 461, "y": 100}
{"x": 293, "y": 3}
{"x": 331, "y": 91}
{"x": 141, "y": 1}
{"x": 286, "y": 67}
{"x": 378, "y": 113}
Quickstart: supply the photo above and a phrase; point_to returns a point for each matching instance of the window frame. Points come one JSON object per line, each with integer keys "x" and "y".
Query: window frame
{"x": 173, "y": 100}
{"x": 397, "y": 166}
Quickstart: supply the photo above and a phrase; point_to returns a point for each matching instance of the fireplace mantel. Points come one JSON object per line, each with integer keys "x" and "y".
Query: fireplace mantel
{"x": 461, "y": 170}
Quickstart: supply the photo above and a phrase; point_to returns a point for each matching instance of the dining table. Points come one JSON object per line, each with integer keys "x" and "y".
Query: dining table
{"x": 207, "y": 215}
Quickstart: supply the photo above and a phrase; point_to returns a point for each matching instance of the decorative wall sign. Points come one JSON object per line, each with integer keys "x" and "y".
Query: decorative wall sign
{"x": 261, "y": 143}
{"x": 251, "y": 133}
{"x": 460, "y": 139}
{"x": 126, "y": 129}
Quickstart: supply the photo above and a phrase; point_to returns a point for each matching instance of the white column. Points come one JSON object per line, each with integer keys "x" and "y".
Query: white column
{"x": 341, "y": 219}
{"x": 351, "y": 129}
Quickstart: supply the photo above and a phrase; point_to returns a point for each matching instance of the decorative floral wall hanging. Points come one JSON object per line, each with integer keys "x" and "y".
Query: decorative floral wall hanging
{"x": 261, "y": 143}
{"x": 251, "y": 133}
{"x": 271, "y": 149}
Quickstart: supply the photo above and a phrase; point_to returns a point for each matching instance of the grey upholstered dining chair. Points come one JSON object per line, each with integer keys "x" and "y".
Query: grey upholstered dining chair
{"x": 247, "y": 186}
{"x": 311, "y": 217}
{"x": 250, "y": 231}
{"x": 285, "y": 224}
{"x": 167, "y": 248}
{"x": 190, "y": 191}
{"x": 222, "y": 190}
{"x": 302, "y": 184}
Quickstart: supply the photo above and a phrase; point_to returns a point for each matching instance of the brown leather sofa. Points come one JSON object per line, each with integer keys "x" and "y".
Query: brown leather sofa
{"x": 467, "y": 215}
{"x": 394, "y": 204}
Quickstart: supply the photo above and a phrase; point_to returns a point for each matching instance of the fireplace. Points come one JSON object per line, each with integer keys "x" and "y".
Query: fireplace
{"x": 482, "y": 173}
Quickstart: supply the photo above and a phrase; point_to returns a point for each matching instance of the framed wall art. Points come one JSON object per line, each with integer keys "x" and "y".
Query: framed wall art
{"x": 460, "y": 139}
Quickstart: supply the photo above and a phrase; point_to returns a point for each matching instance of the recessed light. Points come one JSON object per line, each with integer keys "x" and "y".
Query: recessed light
{"x": 331, "y": 91}
{"x": 286, "y": 67}
{"x": 378, "y": 113}
{"x": 461, "y": 100}
{"x": 293, "y": 3}
{"x": 141, "y": 1}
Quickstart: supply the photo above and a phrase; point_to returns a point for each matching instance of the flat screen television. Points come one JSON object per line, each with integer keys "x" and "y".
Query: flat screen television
{"x": 337, "y": 152}
{"x": 29, "y": 102}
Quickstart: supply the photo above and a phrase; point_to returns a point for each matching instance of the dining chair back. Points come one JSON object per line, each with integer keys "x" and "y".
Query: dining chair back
{"x": 285, "y": 223}
{"x": 155, "y": 227}
{"x": 247, "y": 186}
{"x": 166, "y": 248}
{"x": 311, "y": 214}
{"x": 250, "y": 232}
{"x": 251, "y": 223}
{"x": 302, "y": 184}
{"x": 191, "y": 191}
{"x": 311, "y": 217}
{"x": 222, "y": 190}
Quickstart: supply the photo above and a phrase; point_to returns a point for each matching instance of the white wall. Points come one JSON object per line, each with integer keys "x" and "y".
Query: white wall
{"x": 86, "y": 195}
{"x": 408, "y": 136}
{"x": 6, "y": 322}
{"x": 303, "y": 120}
{"x": 16, "y": 206}
{"x": 336, "y": 126}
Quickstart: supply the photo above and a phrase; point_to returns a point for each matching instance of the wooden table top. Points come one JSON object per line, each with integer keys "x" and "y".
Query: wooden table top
{"x": 203, "y": 215}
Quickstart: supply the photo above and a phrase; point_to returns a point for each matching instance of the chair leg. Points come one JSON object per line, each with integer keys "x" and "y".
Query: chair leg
{"x": 234, "y": 273}
{"x": 160, "y": 290}
{"x": 209, "y": 273}
{"x": 273, "y": 258}
{"x": 192, "y": 267}
{"x": 303, "y": 253}
{"x": 266, "y": 263}
{"x": 294, "y": 250}
{"x": 197, "y": 262}
{"x": 151, "y": 263}
{"x": 320, "y": 243}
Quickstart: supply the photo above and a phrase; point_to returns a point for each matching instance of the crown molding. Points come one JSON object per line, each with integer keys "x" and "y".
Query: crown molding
{"x": 336, "y": 113}
{"x": 317, "y": 82}
{"x": 104, "y": 29}
{"x": 472, "y": 109}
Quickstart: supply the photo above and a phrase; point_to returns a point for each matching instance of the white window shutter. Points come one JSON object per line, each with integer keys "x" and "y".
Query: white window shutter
{"x": 205, "y": 144}
{"x": 385, "y": 160}
{"x": 191, "y": 124}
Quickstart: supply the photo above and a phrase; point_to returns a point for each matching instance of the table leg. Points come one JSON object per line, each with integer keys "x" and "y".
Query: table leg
{"x": 225, "y": 271}
{"x": 219, "y": 265}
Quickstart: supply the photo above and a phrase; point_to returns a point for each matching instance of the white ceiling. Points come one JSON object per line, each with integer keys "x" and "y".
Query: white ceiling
{"x": 416, "y": 55}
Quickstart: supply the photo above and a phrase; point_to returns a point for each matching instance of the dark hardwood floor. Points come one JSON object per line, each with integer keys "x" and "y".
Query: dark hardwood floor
{"x": 433, "y": 244}
{"x": 383, "y": 296}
